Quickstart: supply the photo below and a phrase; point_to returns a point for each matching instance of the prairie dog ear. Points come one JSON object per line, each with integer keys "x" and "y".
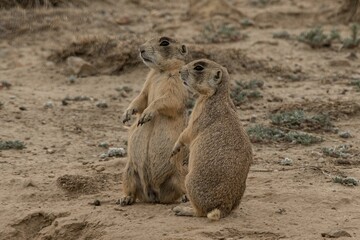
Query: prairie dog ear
{"x": 183, "y": 50}
{"x": 217, "y": 78}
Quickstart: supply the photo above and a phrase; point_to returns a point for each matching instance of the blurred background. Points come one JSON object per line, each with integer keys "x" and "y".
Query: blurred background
{"x": 68, "y": 70}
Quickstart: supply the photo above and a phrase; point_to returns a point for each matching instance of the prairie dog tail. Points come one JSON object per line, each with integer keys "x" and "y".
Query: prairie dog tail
{"x": 214, "y": 215}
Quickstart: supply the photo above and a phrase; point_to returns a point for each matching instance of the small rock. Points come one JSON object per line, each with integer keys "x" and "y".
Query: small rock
{"x": 280, "y": 211}
{"x": 102, "y": 104}
{"x": 22, "y": 108}
{"x": 97, "y": 203}
{"x": 103, "y": 155}
{"x": 80, "y": 67}
{"x": 48, "y": 104}
{"x": 345, "y": 134}
{"x": 28, "y": 183}
{"x": 100, "y": 168}
{"x": 64, "y": 102}
{"x": 336, "y": 234}
{"x": 51, "y": 175}
{"x": 286, "y": 162}
{"x": 50, "y": 151}
{"x": 72, "y": 79}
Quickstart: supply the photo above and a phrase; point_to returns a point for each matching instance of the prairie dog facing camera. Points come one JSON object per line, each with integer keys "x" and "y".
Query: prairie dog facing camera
{"x": 220, "y": 150}
{"x": 150, "y": 175}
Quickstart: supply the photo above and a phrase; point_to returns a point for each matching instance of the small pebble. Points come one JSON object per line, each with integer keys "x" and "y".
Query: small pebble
{"x": 49, "y": 104}
{"x": 97, "y": 203}
{"x": 100, "y": 168}
{"x": 102, "y": 104}
{"x": 22, "y": 108}
{"x": 72, "y": 79}
{"x": 50, "y": 151}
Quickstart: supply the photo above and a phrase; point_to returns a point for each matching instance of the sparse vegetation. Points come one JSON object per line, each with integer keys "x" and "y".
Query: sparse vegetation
{"x": 354, "y": 40}
{"x": 5, "y": 84}
{"x": 342, "y": 151}
{"x": 225, "y": 32}
{"x": 6, "y": 4}
{"x": 281, "y": 35}
{"x": 316, "y": 37}
{"x": 6, "y": 145}
{"x": 260, "y": 133}
{"x": 247, "y": 22}
{"x": 244, "y": 91}
{"x": 356, "y": 84}
{"x": 349, "y": 181}
{"x": 297, "y": 119}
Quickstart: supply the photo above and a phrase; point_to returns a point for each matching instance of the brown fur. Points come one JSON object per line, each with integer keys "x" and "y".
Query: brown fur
{"x": 149, "y": 175}
{"x": 220, "y": 150}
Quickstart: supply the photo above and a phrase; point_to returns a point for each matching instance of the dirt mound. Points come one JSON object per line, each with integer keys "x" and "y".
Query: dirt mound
{"x": 233, "y": 59}
{"x": 30, "y": 226}
{"x": 108, "y": 55}
{"x": 78, "y": 184}
{"x": 336, "y": 109}
{"x": 73, "y": 230}
{"x": 7, "y": 4}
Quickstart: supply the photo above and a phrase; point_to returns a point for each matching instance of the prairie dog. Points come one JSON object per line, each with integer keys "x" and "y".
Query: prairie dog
{"x": 149, "y": 174}
{"x": 220, "y": 150}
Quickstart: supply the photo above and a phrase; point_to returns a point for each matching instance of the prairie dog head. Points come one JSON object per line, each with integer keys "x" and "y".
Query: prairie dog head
{"x": 204, "y": 76}
{"x": 162, "y": 53}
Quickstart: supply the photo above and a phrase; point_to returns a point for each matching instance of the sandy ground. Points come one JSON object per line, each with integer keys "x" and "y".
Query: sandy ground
{"x": 281, "y": 202}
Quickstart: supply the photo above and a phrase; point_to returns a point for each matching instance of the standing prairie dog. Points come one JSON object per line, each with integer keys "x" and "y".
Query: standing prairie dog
{"x": 220, "y": 150}
{"x": 149, "y": 174}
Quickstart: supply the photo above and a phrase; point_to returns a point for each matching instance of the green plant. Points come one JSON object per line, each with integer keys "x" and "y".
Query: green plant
{"x": 342, "y": 151}
{"x": 6, "y": 145}
{"x": 356, "y": 84}
{"x": 301, "y": 138}
{"x": 281, "y": 35}
{"x": 349, "y": 181}
{"x": 247, "y": 22}
{"x": 260, "y": 133}
{"x": 354, "y": 40}
{"x": 316, "y": 37}
{"x": 244, "y": 91}
{"x": 297, "y": 119}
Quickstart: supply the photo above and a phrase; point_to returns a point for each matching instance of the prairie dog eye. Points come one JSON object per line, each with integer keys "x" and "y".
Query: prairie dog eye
{"x": 164, "y": 43}
{"x": 198, "y": 68}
